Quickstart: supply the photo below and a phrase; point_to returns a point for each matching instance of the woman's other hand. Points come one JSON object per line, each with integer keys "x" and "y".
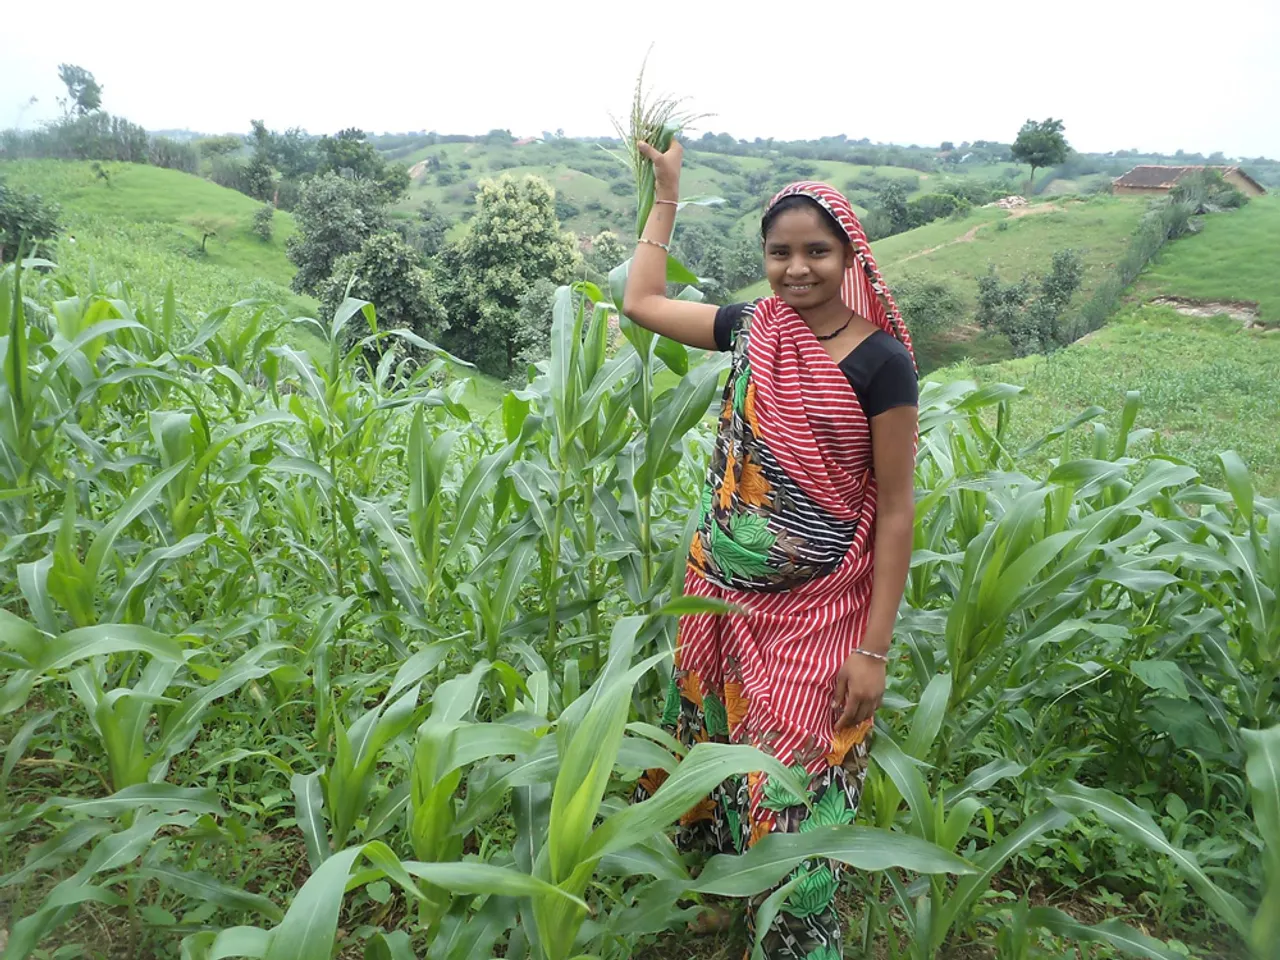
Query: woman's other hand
{"x": 859, "y": 690}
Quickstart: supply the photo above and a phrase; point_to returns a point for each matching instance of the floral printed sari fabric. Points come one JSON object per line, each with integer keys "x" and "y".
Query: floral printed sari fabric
{"x": 786, "y": 532}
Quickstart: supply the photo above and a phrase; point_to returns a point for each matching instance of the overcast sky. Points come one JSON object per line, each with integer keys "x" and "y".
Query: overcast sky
{"x": 1122, "y": 73}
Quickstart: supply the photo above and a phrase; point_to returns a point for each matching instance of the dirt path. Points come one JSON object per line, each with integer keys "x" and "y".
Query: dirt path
{"x": 971, "y": 234}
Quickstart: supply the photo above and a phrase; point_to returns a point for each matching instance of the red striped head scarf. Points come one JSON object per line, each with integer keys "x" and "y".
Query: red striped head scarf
{"x": 864, "y": 290}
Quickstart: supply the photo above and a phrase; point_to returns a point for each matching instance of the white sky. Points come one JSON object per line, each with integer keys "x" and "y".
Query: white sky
{"x": 1121, "y": 73}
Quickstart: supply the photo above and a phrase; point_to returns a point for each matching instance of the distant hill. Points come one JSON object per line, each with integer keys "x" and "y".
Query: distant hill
{"x": 136, "y": 224}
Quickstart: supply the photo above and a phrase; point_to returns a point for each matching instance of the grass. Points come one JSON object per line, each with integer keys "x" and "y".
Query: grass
{"x": 1235, "y": 257}
{"x": 135, "y": 226}
{"x": 1206, "y": 386}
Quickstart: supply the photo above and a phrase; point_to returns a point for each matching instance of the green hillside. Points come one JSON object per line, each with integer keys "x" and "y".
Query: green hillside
{"x": 136, "y": 224}
{"x": 1236, "y": 257}
{"x": 596, "y": 186}
{"x": 1206, "y": 385}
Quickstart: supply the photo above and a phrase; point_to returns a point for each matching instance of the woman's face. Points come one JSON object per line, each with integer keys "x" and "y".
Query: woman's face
{"x": 803, "y": 260}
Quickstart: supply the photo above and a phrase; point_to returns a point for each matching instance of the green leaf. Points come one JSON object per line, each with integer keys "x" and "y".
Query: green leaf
{"x": 1136, "y": 825}
{"x": 476, "y": 491}
{"x": 207, "y": 889}
{"x": 1262, "y": 767}
{"x": 1238, "y": 483}
{"x": 1114, "y": 933}
{"x": 706, "y": 765}
{"x": 684, "y": 407}
{"x": 673, "y": 354}
{"x": 138, "y": 501}
{"x": 1161, "y": 675}
{"x": 159, "y": 796}
{"x": 309, "y": 813}
{"x": 863, "y": 848}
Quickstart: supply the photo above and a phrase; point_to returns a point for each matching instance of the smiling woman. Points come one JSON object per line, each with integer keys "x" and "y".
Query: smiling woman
{"x": 805, "y": 524}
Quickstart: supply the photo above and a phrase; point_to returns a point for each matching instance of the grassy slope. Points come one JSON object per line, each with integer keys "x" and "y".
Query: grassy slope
{"x": 1206, "y": 386}
{"x": 136, "y": 227}
{"x": 1235, "y": 257}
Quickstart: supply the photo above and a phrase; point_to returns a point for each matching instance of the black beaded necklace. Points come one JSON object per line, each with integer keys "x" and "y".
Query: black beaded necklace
{"x": 836, "y": 333}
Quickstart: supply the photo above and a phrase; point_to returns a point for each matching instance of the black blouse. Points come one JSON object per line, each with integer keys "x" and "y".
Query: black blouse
{"x": 879, "y": 368}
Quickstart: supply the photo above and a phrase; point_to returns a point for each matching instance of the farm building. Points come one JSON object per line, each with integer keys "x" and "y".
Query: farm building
{"x": 1160, "y": 179}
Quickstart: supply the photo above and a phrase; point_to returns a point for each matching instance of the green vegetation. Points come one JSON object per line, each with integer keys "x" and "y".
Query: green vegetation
{"x": 274, "y": 628}
{"x": 136, "y": 224}
{"x": 1235, "y": 257}
{"x": 1206, "y": 385}
{"x": 276, "y": 623}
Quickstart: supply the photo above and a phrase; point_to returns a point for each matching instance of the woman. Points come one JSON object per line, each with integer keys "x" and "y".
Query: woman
{"x": 806, "y": 522}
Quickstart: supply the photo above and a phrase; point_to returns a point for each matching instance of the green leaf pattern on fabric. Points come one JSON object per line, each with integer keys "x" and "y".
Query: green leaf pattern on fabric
{"x": 752, "y": 533}
{"x": 831, "y": 810}
{"x": 735, "y": 826}
{"x": 740, "y": 389}
{"x": 707, "y": 497}
{"x": 823, "y": 952}
{"x": 734, "y": 559}
{"x": 717, "y": 718}
{"x": 776, "y": 797}
{"x": 814, "y": 893}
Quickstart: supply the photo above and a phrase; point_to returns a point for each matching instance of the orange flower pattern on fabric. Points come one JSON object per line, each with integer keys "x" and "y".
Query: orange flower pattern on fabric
{"x": 759, "y": 830}
{"x": 754, "y": 488}
{"x": 750, "y": 409}
{"x": 653, "y": 779}
{"x": 735, "y": 704}
{"x": 845, "y": 739}
{"x": 704, "y": 809}
{"x": 728, "y": 483}
{"x": 696, "y": 551}
{"x": 691, "y": 688}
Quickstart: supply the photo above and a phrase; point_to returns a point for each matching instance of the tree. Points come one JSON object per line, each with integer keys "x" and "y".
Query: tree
{"x": 1032, "y": 324}
{"x": 262, "y": 221}
{"x": 209, "y": 226}
{"x": 335, "y": 216}
{"x": 514, "y": 240}
{"x": 350, "y": 153}
{"x": 606, "y": 252}
{"x": 892, "y": 199}
{"x": 1040, "y": 145}
{"x": 220, "y": 145}
{"x": 25, "y": 217}
{"x": 84, "y": 94}
{"x": 389, "y": 274}
{"x": 532, "y": 333}
{"x": 429, "y": 232}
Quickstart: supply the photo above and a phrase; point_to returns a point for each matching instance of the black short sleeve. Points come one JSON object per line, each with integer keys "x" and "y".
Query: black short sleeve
{"x": 728, "y": 319}
{"x": 882, "y": 374}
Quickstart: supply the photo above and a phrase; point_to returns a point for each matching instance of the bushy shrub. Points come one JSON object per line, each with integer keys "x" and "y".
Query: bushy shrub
{"x": 262, "y": 218}
{"x": 25, "y": 217}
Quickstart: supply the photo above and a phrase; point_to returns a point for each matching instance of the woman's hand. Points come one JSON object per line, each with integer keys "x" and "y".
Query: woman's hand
{"x": 859, "y": 690}
{"x": 666, "y": 168}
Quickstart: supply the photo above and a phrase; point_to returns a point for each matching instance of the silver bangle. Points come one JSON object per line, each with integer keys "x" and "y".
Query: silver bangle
{"x": 875, "y": 656}
{"x": 656, "y": 243}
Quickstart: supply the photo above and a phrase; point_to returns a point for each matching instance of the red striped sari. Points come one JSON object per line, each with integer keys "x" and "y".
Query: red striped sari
{"x": 787, "y": 531}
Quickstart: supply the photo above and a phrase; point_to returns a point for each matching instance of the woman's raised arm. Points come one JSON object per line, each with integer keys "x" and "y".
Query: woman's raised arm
{"x": 645, "y": 300}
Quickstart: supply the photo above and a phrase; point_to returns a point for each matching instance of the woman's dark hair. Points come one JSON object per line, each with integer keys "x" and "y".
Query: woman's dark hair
{"x": 798, "y": 201}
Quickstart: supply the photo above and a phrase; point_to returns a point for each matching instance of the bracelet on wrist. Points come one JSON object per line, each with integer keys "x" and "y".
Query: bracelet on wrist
{"x": 674, "y": 203}
{"x": 656, "y": 243}
{"x": 875, "y": 656}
